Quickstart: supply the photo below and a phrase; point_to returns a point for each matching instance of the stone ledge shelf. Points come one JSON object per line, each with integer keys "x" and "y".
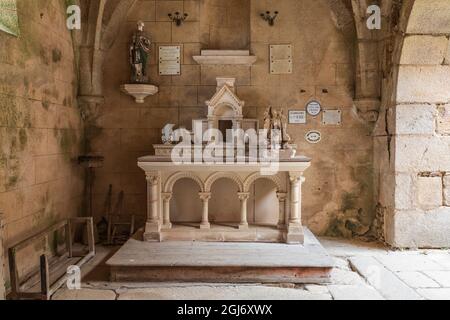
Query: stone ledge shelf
{"x": 225, "y": 57}
{"x": 139, "y": 91}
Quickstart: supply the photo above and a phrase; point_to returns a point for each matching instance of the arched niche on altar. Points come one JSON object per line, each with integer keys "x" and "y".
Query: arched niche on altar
{"x": 225, "y": 110}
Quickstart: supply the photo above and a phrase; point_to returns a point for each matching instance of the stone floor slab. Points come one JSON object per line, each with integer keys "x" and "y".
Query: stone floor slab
{"x": 442, "y": 277}
{"x": 356, "y": 292}
{"x": 345, "y": 277}
{"x": 352, "y": 247}
{"x": 435, "y": 294}
{"x": 416, "y": 279}
{"x": 221, "y": 293}
{"x": 385, "y": 281}
{"x": 441, "y": 259}
{"x": 398, "y": 261}
{"x": 84, "y": 294}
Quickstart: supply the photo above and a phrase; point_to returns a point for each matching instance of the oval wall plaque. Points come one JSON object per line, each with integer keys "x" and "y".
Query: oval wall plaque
{"x": 314, "y": 137}
{"x": 314, "y": 108}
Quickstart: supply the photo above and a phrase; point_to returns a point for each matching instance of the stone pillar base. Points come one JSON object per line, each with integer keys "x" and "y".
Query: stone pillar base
{"x": 295, "y": 234}
{"x": 205, "y": 226}
{"x": 152, "y": 231}
{"x": 243, "y": 226}
{"x": 152, "y": 237}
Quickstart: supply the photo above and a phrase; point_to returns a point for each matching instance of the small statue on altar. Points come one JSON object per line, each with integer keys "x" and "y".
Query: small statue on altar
{"x": 275, "y": 122}
{"x": 286, "y": 138}
{"x": 268, "y": 121}
{"x": 140, "y": 48}
{"x": 167, "y": 134}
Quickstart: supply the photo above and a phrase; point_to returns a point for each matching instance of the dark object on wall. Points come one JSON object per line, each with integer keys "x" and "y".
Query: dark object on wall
{"x": 178, "y": 18}
{"x": 90, "y": 162}
{"x": 269, "y": 17}
{"x": 102, "y": 230}
{"x": 118, "y": 227}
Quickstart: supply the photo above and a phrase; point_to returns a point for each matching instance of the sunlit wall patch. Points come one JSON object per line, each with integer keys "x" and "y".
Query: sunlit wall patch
{"x": 9, "y": 21}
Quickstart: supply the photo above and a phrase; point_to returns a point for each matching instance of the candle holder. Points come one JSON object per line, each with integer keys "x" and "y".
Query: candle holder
{"x": 269, "y": 17}
{"x": 178, "y": 18}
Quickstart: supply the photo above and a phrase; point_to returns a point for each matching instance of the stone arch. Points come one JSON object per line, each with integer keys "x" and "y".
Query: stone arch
{"x": 223, "y": 175}
{"x": 226, "y": 110}
{"x": 168, "y": 187}
{"x": 418, "y": 152}
{"x": 101, "y": 23}
{"x": 256, "y": 176}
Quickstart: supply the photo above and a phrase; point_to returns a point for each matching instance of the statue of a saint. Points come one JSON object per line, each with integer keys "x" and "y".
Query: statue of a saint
{"x": 275, "y": 122}
{"x": 139, "y": 53}
{"x": 284, "y": 128}
{"x": 268, "y": 121}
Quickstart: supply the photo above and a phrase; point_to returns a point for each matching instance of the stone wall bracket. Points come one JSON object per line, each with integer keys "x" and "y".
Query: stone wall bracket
{"x": 225, "y": 57}
{"x": 139, "y": 91}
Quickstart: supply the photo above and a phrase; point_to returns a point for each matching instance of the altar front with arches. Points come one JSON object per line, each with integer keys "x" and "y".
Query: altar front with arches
{"x": 162, "y": 175}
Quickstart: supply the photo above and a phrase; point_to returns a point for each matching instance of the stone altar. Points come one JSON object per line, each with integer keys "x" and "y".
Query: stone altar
{"x": 225, "y": 113}
{"x": 208, "y": 250}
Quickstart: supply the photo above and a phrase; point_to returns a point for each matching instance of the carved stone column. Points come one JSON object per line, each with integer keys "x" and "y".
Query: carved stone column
{"x": 166, "y": 197}
{"x": 153, "y": 226}
{"x": 282, "y": 221}
{"x": 244, "y": 196}
{"x": 295, "y": 229}
{"x": 2, "y": 262}
{"x": 205, "y": 197}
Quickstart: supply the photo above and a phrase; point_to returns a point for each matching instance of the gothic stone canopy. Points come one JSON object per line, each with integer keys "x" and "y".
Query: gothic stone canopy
{"x": 225, "y": 104}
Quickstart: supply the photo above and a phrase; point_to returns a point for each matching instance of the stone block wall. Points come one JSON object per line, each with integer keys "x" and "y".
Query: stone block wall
{"x": 225, "y": 24}
{"x": 421, "y": 142}
{"x": 339, "y": 188}
{"x": 40, "y": 126}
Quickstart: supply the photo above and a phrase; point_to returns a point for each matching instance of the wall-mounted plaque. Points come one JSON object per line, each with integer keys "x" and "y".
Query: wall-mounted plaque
{"x": 313, "y": 137}
{"x": 332, "y": 117}
{"x": 281, "y": 59}
{"x": 9, "y": 22}
{"x": 169, "y": 60}
{"x": 297, "y": 117}
{"x": 314, "y": 108}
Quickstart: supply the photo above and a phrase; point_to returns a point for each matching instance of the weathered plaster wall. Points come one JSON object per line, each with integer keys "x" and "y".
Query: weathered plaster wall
{"x": 338, "y": 196}
{"x": 420, "y": 120}
{"x": 40, "y": 125}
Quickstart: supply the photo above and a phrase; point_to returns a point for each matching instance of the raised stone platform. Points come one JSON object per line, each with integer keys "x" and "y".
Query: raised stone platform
{"x": 221, "y": 262}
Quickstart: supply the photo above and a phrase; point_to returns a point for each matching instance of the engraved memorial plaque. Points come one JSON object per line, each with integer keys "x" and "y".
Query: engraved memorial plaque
{"x": 281, "y": 59}
{"x": 169, "y": 60}
{"x": 314, "y": 108}
{"x": 297, "y": 117}
{"x": 313, "y": 137}
{"x": 332, "y": 117}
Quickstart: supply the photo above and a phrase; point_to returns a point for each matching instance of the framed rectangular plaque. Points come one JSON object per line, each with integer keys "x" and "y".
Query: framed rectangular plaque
{"x": 297, "y": 117}
{"x": 332, "y": 117}
{"x": 170, "y": 60}
{"x": 281, "y": 59}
